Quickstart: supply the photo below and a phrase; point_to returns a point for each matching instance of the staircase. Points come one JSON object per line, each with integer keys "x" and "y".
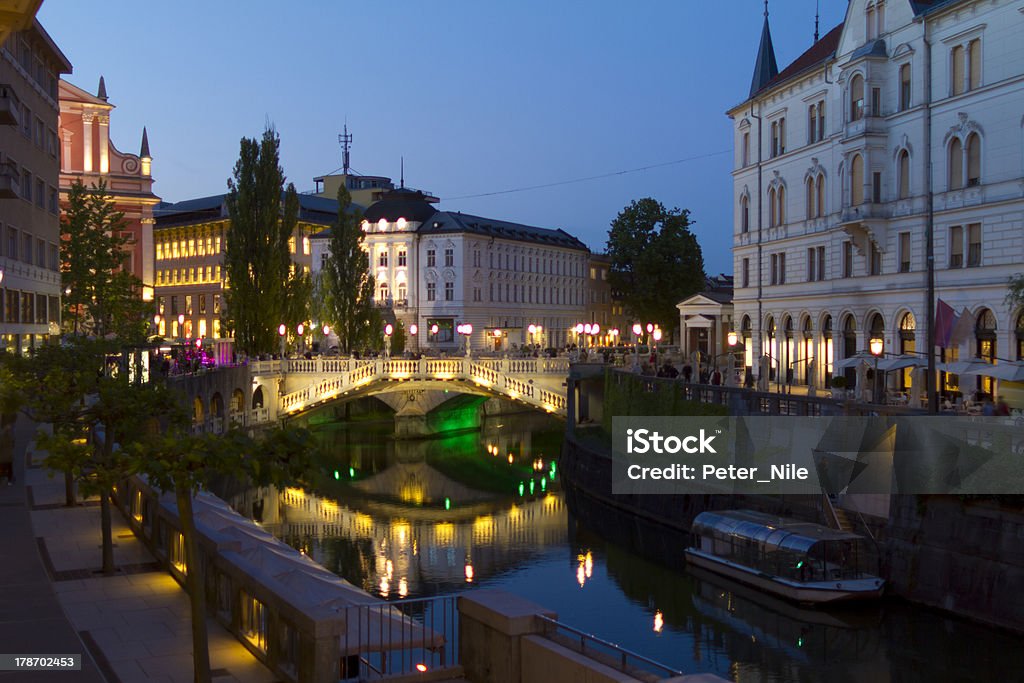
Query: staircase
{"x": 843, "y": 520}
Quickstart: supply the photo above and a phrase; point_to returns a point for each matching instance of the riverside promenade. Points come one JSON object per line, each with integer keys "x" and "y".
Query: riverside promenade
{"x": 130, "y": 627}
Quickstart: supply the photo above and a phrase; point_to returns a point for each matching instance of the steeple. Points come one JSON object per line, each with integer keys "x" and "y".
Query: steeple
{"x": 144, "y": 152}
{"x": 766, "y": 68}
{"x": 102, "y": 91}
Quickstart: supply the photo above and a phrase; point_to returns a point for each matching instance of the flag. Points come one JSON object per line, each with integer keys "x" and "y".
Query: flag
{"x": 945, "y": 320}
{"x": 963, "y": 329}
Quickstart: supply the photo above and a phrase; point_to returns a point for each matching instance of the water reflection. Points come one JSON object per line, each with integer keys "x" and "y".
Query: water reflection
{"x": 410, "y": 519}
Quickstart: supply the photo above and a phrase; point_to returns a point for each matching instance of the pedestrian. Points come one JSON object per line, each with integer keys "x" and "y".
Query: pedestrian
{"x": 716, "y": 378}
{"x": 687, "y": 373}
{"x": 1002, "y": 408}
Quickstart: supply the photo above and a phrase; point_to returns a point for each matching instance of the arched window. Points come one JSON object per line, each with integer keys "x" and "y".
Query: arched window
{"x": 826, "y": 350}
{"x": 383, "y": 291}
{"x": 744, "y": 214}
{"x": 905, "y": 87}
{"x": 819, "y": 186}
{"x": 876, "y": 327}
{"x": 771, "y": 207}
{"x": 985, "y": 336}
{"x": 908, "y": 325}
{"x": 857, "y": 180}
{"x": 973, "y": 160}
{"x": 956, "y": 164}
{"x": 857, "y": 98}
{"x": 870, "y": 22}
{"x": 811, "y": 209}
{"x": 780, "y": 213}
{"x": 904, "y": 174}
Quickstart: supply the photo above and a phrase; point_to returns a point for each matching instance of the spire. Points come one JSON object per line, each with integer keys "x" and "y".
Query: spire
{"x": 144, "y": 152}
{"x": 102, "y": 92}
{"x": 766, "y": 68}
{"x": 402, "y": 181}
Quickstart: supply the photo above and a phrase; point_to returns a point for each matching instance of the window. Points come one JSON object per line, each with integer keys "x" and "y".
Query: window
{"x": 746, "y": 149}
{"x": 449, "y": 291}
{"x": 53, "y": 206}
{"x": 869, "y": 23}
{"x": 431, "y": 258}
{"x": 973, "y": 160}
{"x": 875, "y": 256}
{"x": 778, "y": 269}
{"x": 402, "y": 293}
{"x": 821, "y": 120}
{"x": 54, "y": 257}
{"x": 812, "y": 124}
{"x": 780, "y": 212}
{"x": 744, "y": 215}
{"x": 876, "y": 101}
{"x": 254, "y": 622}
{"x": 973, "y": 245}
{"x": 775, "y": 139}
{"x": 746, "y": 273}
{"x": 956, "y": 247}
{"x": 431, "y": 291}
{"x": 904, "y": 252}
{"x": 26, "y": 248}
{"x": 821, "y": 263}
{"x": 449, "y": 258}
{"x": 383, "y": 292}
{"x": 41, "y": 253}
{"x": 904, "y": 171}
{"x": 957, "y": 70}
{"x": 857, "y": 180}
{"x": 812, "y": 271}
{"x": 216, "y": 304}
{"x": 382, "y": 259}
{"x": 974, "y": 57}
{"x": 847, "y": 259}
{"x": 876, "y": 188}
{"x": 26, "y": 185}
{"x": 905, "y": 87}
{"x": 12, "y": 243}
{"x": 820, "y": 188}
{"x": 401, "y": 257}
{"x": 857, "y": 98}
{"x": 771, "y": 207}
{"x": 956, "y": 164}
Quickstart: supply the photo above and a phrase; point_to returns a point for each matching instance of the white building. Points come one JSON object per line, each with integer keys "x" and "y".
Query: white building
{"x": 832, "y": 186}
{"x": 442, "y": 269}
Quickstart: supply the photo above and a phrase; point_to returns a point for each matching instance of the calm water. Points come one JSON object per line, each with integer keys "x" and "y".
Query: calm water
{"x": 414, "y": 519}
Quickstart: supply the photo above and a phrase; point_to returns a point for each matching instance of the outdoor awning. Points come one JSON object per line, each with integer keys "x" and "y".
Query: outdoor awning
{"x": 854, "y": 361}
{"x": 1005, "y": 370}
{"x": 901, "y": 362}
{"x": 974, "y": 366}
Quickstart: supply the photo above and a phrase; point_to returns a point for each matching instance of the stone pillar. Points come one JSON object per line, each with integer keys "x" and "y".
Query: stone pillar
{"x": 492, "y": 625}
{"x": 104, "y": 123}
{"x": 87, "y": 117}
{"x": 66, "y": 151}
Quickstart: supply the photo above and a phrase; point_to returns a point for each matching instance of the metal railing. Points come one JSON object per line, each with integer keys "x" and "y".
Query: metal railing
{"x": 608, "y": 653}
{"x": 386, "y": 640}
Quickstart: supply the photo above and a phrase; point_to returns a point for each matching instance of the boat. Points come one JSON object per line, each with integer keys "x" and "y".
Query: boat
{"x": 800, "y": 561}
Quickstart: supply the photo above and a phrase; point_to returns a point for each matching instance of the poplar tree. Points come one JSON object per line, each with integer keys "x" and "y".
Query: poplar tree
{"x": 263, "y": 216}
{"x": 347, "y": 283}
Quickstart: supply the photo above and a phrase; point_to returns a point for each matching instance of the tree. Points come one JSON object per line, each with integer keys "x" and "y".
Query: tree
{"x": 1015, "y": 292}
{"x": 656, "y": 261}
{"x": 263, "y": 216}
{"x": 101, "y": 297}
{"x": 183, "y": 464}
{"x": 347, "y": 283}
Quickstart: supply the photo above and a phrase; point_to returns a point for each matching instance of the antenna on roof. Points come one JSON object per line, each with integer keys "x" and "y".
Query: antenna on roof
{"x": 817, "y": 3}
{"x": 402, "y": 178}
{"x": 345, "y": 140}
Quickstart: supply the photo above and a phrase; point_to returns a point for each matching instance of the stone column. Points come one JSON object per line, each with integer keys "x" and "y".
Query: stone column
{"x": 87, "y": 118}
{"x": 66, "y": 151}
{"x": 104, "y": 123}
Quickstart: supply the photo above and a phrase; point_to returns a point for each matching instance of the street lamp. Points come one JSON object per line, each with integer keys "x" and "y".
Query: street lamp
{"x": 300, "y": 329}
{"x": 388, "y": 331}
{"x": 282, "y": 330}
{"x": 732, "y": 338}
{"x": 637, "y": 331}
{"x": 181, "y": 325}
{"x": 465, "y": 330}
{"x": 876, "y": 346}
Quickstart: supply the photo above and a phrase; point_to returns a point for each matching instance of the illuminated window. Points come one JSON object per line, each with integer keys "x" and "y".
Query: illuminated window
{"x": 291, "y": 244}
{"x": 254, "y": 621}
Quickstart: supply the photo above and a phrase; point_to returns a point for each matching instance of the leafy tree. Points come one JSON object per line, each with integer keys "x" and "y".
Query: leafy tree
{"x": 259, "y": 269}
{"x": 101, "y": 297}
{"x": 656, "y": 261}
{"x": 347, "y": 283}
{"x": 398, "y": 339}
{"x": 1015, "y": 292}
{"x": 184, "y": 464}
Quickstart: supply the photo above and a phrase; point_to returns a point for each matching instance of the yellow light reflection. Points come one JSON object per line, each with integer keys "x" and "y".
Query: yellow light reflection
{"x": 384, "y": 587}
{"x": 444, "y": 533}
{"x": 403, "y": 587}
{"x": 469, "y": 573}
{"x": 659, "y": 622}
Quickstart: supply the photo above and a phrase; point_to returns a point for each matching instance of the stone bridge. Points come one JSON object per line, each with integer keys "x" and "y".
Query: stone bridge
{"x": 264, "y": 391}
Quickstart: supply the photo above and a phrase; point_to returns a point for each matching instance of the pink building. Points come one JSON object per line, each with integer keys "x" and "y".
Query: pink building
{"x": 88, "y": 154}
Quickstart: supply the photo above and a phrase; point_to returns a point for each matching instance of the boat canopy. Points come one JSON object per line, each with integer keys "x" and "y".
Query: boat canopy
{"x": 768, "y": 530}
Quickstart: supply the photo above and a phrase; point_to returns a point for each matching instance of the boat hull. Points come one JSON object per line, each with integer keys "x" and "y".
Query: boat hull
{"x": 817, "y": 593}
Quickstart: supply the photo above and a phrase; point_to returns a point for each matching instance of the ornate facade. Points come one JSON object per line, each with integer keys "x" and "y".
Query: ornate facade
{"x": 906, "y": 115}
{"x": 87, "y": 154}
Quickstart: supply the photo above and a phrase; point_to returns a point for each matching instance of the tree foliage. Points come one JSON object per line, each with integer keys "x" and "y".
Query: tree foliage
{"x": 1015, "y": 291}
{"x": 263, "y": 290}
{"x": 101, "y": 297}
{"x": 347, "y": 283}
{"x": 656, "y": 261}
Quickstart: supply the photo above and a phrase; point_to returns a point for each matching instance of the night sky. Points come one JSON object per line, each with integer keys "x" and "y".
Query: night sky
{"x": 479, "y": 97}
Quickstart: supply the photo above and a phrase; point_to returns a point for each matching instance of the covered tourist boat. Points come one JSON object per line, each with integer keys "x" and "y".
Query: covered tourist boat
{"x": 800, "y": 561}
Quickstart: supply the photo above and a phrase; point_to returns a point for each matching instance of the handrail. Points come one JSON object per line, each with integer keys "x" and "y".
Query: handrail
{"x": 833, "y": 518}
{"x": 623, "y": 652}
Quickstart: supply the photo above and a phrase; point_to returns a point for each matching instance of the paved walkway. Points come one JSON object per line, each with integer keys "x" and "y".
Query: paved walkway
{"x": 130, "y": 627}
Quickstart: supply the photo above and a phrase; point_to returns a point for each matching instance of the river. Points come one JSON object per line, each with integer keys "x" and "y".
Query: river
{"x": 407, "y": 519}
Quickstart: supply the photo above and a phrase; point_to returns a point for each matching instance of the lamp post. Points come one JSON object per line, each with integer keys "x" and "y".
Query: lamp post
{"x": 282, "y": 330}
{"x": 637, "y": 329}
{"x": 465, "y": 330}
{"x": 388, "y": 331}
{"x": 876, "y": 346}
{"x": 532, "y": 329}
{"x": 433, "y": 334}
{"x": 301, "y": 330}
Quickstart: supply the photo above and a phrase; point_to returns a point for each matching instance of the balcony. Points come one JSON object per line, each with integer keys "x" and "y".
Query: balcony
{"x": 10, "y": 105}
{"x": 10, "y": 180}
{"x": 866, "y": 221}
{"x": 401, "y": 303}
{"x": 866, "y": 125}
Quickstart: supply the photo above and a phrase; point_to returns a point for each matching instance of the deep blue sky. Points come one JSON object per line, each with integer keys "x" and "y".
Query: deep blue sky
{"x": 478, "y": 96}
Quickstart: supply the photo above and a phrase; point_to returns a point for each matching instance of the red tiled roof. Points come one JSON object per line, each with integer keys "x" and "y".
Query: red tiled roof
{"x": 816, "y": 54}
